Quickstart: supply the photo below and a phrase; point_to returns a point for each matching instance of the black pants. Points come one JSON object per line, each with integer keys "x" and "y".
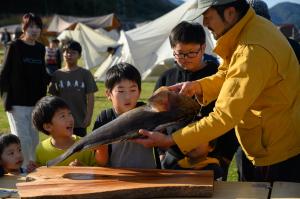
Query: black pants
{"x": 245, "y": 168}
{"x": 287, "y": 170}
{"x": 80, "y": 131}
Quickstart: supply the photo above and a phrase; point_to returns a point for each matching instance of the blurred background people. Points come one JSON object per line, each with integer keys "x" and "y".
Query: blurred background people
{"x": 53, "y": 56}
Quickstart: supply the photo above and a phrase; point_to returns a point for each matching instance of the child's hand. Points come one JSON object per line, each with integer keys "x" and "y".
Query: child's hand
{"x": 101, "y": 155}
{"x": 75, "y": 163}
{"x": 31, "y": 166}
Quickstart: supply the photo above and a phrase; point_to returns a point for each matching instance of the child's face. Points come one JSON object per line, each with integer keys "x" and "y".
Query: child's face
{"x": 12, "y": 157}
{"x": 62, "y": 123}
{"x": 189, "y": 56}
{"x": 71, "y": 56}
{"x": 124, "y": 96}
{"x": 53, "y": 45}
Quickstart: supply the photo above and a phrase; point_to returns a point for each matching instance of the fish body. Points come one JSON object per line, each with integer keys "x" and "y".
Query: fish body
{"x": 164, "y": 108}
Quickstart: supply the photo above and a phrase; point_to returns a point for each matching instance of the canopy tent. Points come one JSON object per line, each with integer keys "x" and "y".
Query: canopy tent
{"x": 12, "y": 29}
{"x": 94, "y": 44}
{"x": 114, "y": 34}
{"x": 147, "y": 47}
{"x": 61, "y": 22}
{"x": 121, "y": 54}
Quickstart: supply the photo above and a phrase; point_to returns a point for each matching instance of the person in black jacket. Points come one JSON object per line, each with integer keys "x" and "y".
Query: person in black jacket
{"x": 191, "y": 63}
{"x": 23, "y": 81}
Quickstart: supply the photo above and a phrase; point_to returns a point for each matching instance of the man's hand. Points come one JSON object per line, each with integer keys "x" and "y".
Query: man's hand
{"x": 153, "y": 139}
{"x": 102, "y": 155}
{"x": 187, "y": 88}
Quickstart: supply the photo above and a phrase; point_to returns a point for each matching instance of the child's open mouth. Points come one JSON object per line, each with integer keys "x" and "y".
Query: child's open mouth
{"x": 20, "y": 162}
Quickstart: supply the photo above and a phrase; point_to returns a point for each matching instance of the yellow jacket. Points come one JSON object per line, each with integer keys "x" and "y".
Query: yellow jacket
{"x": 187, "y": 163}
{"x": 257, "y": 89}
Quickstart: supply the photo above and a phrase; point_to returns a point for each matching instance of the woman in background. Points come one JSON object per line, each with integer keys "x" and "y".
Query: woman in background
{"x": 23, "y": 81}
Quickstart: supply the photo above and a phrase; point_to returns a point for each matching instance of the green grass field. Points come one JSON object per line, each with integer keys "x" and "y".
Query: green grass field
{"x": 101, "y": 103}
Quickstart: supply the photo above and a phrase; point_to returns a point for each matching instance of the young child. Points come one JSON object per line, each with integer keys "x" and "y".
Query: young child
{"x": 198, "y": 159}
{"x": 11, "y": 157}
{"x": 123, "y": 88}
{"x": 52, "y": 116}
{"x": 76, "y": 86}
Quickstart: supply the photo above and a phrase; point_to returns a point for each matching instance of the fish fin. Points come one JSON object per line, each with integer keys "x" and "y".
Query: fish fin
{"x": 179, "y": 124}
{"x": 164, "y": 126}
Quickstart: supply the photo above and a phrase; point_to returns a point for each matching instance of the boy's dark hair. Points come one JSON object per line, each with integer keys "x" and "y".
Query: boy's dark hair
{"x": 120, "y": 72}
{"x": 241, "y": 6}
{"x": 56, "y": 41}
{"x": 186, "y": 33}
{"x": 72, "y": 45}
{"x": 6, "y": 139}
{"x": 44, "y": 111}
{"x": 29, "y": 18}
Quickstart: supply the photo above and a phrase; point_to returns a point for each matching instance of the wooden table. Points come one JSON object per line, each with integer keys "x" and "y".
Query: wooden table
{"x": 285, "y": 190}
{"x": 238, "y": 190}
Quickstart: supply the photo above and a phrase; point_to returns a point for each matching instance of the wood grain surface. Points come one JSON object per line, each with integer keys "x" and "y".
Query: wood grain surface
{"x": 100, "y": 182}
{"x": 285, "y": 190}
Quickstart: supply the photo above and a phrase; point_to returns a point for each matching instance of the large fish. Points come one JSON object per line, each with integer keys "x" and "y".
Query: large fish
{"x": 164, "y": 109}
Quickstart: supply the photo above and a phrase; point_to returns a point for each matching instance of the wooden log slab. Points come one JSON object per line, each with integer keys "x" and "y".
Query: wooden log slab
{"x": 104, "y": 183}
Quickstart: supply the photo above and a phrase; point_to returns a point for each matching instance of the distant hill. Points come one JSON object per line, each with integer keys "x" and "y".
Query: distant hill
{"x": 144, "y": 9}
{"x": 139, "y": 10}
{"x": 286, "y": 13}
{"x": 177, "y": 2}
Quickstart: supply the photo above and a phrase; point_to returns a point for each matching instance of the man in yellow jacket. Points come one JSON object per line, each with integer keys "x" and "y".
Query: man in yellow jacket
{"x": 257, "y": 88}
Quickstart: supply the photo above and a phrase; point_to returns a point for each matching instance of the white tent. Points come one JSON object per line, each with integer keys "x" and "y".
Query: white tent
{"x": 94, "y": 44}
{"x": 147, "y": 47}
{"x": 121, "y": 54}
{"x": 11, "y": 28}
{"x": 62, "y": 22}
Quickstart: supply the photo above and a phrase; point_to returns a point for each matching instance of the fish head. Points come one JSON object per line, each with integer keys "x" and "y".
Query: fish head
{"x": 166, "y": 100}
{"x": 159, "y": 101}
